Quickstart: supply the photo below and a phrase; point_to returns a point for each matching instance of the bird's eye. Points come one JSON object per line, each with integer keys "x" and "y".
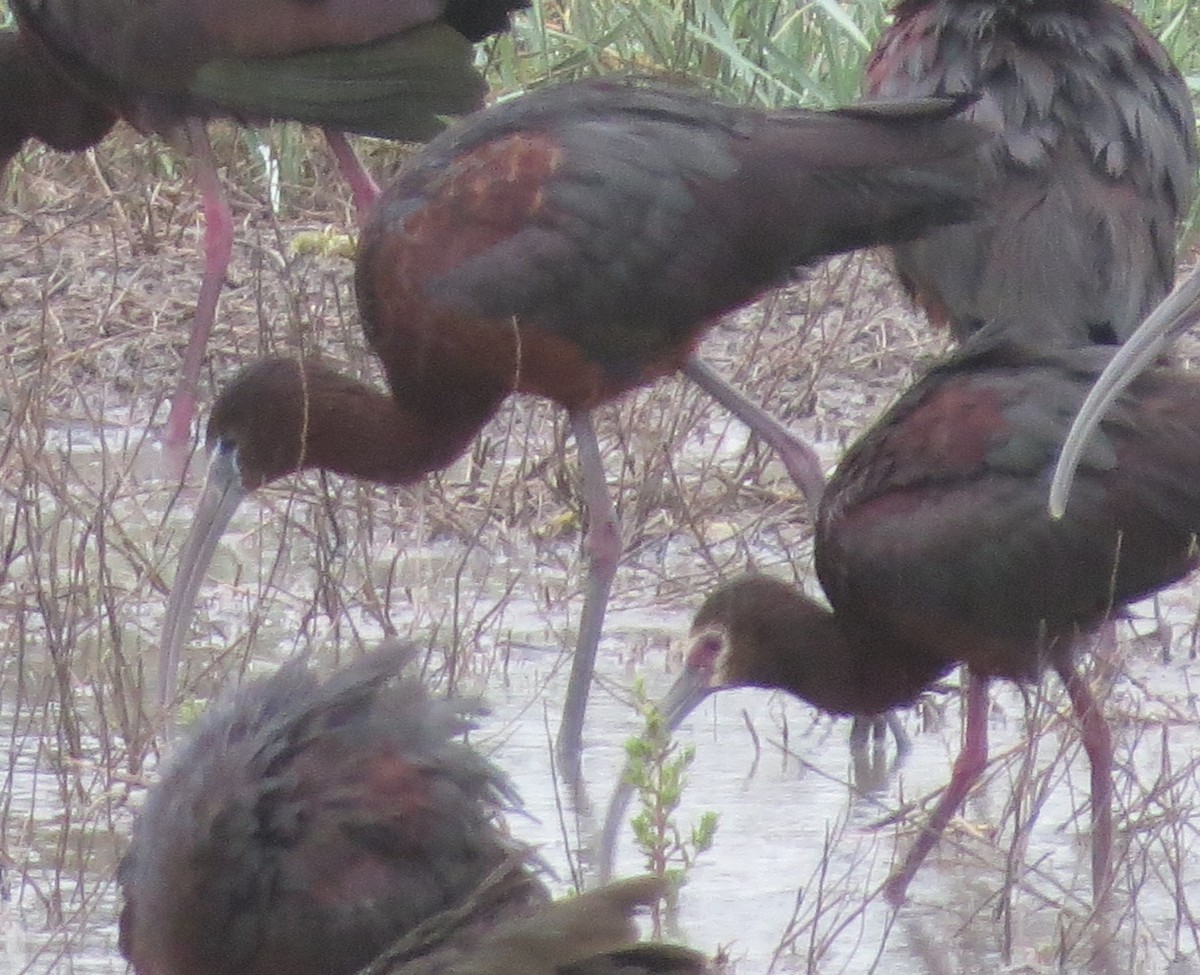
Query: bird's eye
{"x": 223, "y": 453}
{"x": 706, "y": 652}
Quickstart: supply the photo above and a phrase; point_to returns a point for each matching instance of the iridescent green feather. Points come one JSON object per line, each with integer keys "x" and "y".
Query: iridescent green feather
{"x": 397, "y": 88}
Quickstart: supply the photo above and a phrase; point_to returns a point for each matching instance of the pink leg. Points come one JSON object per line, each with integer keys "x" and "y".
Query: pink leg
{"x": 970, "y": 765}
{"x": 798, "y": 457}
{"x": 362, "y": 186}
{"x": 218, "y": 246}
{"x": 1097, "y": 742}
{"x": 604, "y": 550}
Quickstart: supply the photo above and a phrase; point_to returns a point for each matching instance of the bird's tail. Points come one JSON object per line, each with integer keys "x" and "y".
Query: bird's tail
{"x": 872, "y": 173}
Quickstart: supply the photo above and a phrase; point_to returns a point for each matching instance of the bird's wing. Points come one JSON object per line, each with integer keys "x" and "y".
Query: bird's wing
{"x": 632, "y": 215}
{"x": 936, "y": 517}
{"x": 1092, "y": 166}
{"x": 398, "y": 87}
{"x": 307, "y": 818}
{"x": 381, "y": 67}
{"x": 607, "y": 244}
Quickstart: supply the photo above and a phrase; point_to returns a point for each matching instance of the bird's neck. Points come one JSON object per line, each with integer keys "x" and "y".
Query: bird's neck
{"x": 853, "y": 672}
{"x": 376, "y": 439}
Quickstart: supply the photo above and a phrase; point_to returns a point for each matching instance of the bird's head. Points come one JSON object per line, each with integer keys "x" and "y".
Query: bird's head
{"x": 257, "y": 432}
{"x": 753, "y": 632}
{"x": 263, "y": 419}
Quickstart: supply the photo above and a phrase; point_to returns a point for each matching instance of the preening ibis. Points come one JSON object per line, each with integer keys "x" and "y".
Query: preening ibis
{"x": 1090, "y": 168}
{"x": 313, "y": 827}
{"x": 575, "y": 243}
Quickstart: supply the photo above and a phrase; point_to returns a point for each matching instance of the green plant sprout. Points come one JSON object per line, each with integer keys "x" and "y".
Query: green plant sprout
{"x": 657, "y": 770}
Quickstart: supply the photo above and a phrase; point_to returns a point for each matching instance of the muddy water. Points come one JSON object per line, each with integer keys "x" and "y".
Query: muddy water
{"x": 804, "y": 839}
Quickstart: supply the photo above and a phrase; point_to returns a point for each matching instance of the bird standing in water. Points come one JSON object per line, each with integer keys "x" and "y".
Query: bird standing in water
{"x": 1091, "y": 166}
{"x": 575, "y": 243}
{"x": 316, "y": 827}
{"x": 934, "y": 547}
{"x": 1089, "y": 171}
{"x": 388, "y": 68}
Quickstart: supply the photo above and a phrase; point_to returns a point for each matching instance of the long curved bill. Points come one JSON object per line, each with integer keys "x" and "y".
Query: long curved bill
{"x": 218, "y": 501}
{"x": 1174, "y": 314}
{"x": 691, "y": 687}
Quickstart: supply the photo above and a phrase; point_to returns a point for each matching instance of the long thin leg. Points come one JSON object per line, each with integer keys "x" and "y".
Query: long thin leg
{"x": 872, "y": 730}
{"x": 218, "y": 247}
{"x": 799, "y": 458}
{"x": 1097, "y": 742}
{"x": 860, "y": 732}
{"x": 969, "y": 766}
{"x": 603, "y": 548}
{"x": 896, "y": 727}
{"x": 362, "y": 185}
{"x": 868, "y": 748}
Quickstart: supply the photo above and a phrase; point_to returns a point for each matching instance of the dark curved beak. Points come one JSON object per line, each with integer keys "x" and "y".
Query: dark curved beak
{"x": 1174, "y": 314}
{"x": 222, "y": 493}
{"x": 691, "y": 687}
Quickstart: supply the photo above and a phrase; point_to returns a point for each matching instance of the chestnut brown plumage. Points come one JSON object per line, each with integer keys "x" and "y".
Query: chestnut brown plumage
{"x": 1090, "y": 169}
{"x": 390, "y": 68}
{"x": 325, "y": 827}
{"x": 933, "y": 547}
{"x": 576, "y": 243}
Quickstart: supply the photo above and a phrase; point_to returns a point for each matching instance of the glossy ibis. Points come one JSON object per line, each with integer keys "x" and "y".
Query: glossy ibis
{"x": 1092, "y": 165}
{"x": 574, "y": 243}
{"x": 315, "y": 827}
{"x": 390, "y": 69}
{"x": 934, "y": 547}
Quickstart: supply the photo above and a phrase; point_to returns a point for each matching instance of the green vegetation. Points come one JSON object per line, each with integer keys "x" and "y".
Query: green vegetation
{"x": 657, "y": 770}
{"x": 768, "y": 52}
{"x": 773, "y": 52}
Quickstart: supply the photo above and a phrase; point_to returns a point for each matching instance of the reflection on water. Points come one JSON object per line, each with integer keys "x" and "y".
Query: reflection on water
{"x": 802, "y": 844}
{"x": 798, "y": 850}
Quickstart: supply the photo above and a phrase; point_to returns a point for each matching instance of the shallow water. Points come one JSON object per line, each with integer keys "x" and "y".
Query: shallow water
{"x": 800, "y": 850}
{"x": 804, "y": 839}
